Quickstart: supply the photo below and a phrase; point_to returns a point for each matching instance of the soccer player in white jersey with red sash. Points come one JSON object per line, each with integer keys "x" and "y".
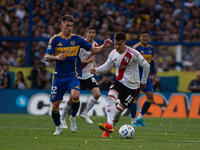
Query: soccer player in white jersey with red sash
{"x": 127, "y": 84}
{"x": 87, "y": 80}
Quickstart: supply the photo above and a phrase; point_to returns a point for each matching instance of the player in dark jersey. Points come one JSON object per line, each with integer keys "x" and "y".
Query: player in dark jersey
{"x": 146, "y": 51}
{"x": 87, "y": 80}
{"x": 64, "y": 48}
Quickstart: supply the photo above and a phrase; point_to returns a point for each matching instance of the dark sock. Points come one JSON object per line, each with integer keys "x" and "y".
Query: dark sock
{"x": 75, "y": 107}
{"x": 133, "y": 109}
{"x": 56, "y": 116}
{"x": 145, "y": 107}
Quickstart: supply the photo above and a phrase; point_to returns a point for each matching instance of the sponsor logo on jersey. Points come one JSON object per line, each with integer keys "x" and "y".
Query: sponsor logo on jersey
{"x": 60, "y": 44}
{"x": 49, "y": 47}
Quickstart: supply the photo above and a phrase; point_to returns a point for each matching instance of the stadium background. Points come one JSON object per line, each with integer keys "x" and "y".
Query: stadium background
{"x": 174, "y": 27}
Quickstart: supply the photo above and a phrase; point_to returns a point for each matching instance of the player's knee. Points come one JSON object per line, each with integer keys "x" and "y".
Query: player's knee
{"x": 97, "y": 95}
{"x": 69, "y": 102}
{"x": 55, "y": 105}
{"x": 75, "y": 97}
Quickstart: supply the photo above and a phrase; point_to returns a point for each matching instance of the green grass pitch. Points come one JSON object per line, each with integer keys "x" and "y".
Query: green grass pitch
{"x": 28, "y": 132}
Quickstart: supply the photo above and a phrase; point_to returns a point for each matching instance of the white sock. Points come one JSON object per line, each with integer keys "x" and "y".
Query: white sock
{"x": 133, "y": 120}
{"x": 65, "y": 111}
{"x": 111, "y": 108}
{"x": 140, "y": 116}
{"x": 92, "y": 101}
{"x": 117, "y": 115}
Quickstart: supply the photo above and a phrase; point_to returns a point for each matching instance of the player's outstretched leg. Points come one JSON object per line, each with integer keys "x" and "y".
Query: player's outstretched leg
{"x": 133, "y": 109}
{"x": 117, "y": 115}
{"x": 86, "y": 118}
{"x": 84, "y": 115}
{"x": 63, "y": 116}
{"x": 72, "y": 119}
{"x": 145, "y": 108}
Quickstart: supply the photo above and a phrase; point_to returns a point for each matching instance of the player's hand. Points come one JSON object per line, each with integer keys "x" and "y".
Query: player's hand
{"x": 61, "y": 56}
{"x": 108, "y": 42}
{"x": 142, "y": 86}
{"x": 92, "y": 70}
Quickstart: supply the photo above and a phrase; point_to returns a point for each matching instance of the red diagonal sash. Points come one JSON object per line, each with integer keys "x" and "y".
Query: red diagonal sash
{"x": 126, "y": 59}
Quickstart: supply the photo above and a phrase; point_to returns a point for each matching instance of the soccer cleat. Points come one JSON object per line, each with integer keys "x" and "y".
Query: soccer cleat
{"x": 105, "y": 134}
{"x": 73, "y": 126}
{"x": 135, "y": 124}
{"x": 64, "y": 124}
{"x": 106, "y": 127}
{"x": 87, "y": 118}
{"x": 141, "y": 121}
{"x": 58, "y": 130}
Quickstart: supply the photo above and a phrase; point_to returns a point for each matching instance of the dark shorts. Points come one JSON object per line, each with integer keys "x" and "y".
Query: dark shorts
{"x": 88, "y": 84}
{"x": 61, "y": 84}
{"x": 126, "y": 95}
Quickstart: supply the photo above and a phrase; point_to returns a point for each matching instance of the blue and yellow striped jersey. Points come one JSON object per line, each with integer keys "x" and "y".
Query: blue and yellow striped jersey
{"x": 70, "y": 47}
{"x": 147, "y": 53}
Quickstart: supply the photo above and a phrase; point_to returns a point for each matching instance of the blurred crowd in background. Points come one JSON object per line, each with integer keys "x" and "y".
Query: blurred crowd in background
{"x": 160, "y": 17}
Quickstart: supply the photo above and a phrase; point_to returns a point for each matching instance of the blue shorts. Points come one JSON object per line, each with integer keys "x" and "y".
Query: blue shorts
{"x": 61, "y": 84}
{"x": 149, "y": 86}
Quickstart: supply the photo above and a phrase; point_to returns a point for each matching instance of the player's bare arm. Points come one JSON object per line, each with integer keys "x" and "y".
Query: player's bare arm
{"x": 51, "y": 58}
{"x": 107, "y": 43}
{"x": 94, "y": 64}
{"x": 90, "y": 60}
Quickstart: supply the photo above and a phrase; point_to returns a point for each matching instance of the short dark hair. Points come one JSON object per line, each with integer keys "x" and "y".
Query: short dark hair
{"x": 68, "y": 18}
{"x": 143, "y": 31}
{"x": 90, "y": 28}
{"x": 120, "y": 36}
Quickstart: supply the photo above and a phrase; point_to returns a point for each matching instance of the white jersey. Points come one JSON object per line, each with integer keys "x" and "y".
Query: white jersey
{"x": 84, "y": 55}
{"x": 127, "y": 70}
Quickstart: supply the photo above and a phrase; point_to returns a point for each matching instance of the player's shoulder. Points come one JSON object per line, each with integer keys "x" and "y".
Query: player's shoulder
{"x": 54, "y": 38}
{"x": 150, "y": 46}
{"x": 132, "y": 51}
{"x": 77, "y": 36}
{"x": 136, "y": 45}
{"x": 112, "y": 53}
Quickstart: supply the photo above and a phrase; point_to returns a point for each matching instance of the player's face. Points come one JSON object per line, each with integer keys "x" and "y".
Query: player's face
{"x": 144, "y": 38}
{"x": 90, "y": 34}
{"x": 119, "y": 46}
{"x": 67, "y": 27}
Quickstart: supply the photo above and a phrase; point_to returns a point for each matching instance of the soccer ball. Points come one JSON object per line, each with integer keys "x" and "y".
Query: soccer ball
{"x": 126, "y": 131}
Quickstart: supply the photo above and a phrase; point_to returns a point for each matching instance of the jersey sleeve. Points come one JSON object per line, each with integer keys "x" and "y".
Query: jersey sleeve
{"x": 84, "y": 44}
{"x": 107, "y": 65}
{"x": 144, "y": 64}
{"x": 51, "y": 46}
{"x": 152, "y": 67}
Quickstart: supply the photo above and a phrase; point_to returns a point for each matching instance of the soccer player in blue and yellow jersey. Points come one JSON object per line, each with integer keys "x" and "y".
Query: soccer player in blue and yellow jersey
{"x": 63, "y": 49}
{"x": 147, "y": 52}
